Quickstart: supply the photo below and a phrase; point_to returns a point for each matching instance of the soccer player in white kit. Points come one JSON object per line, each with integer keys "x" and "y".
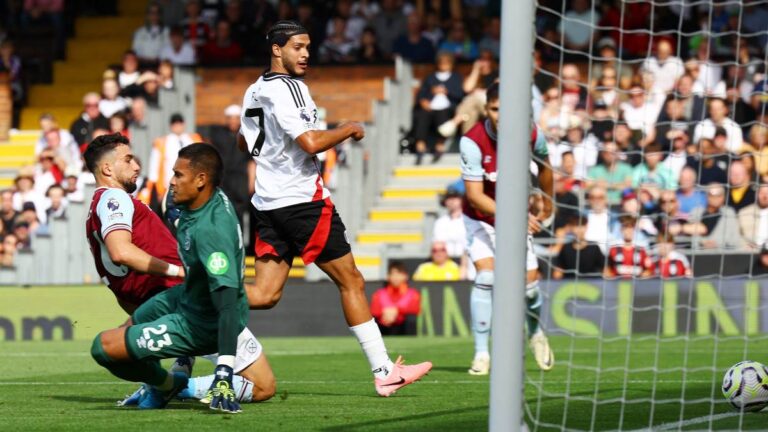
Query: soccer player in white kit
{"x": 294, "y": 212}
{"x": 478, "y": 169}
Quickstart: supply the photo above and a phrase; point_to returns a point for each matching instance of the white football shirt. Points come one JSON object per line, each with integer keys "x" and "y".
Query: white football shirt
{"x": 277, "y": 109}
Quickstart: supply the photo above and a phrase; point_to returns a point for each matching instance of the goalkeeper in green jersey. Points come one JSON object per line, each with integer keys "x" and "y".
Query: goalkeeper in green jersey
{"x": 204, "y": 314}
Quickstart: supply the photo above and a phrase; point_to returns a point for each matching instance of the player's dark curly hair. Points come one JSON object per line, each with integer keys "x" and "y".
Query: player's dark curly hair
{"x": 492, "y": 92}
{"x": 101, "y": 146}
{"x": 204, "y": 157}
{"x": 284, "y": 30}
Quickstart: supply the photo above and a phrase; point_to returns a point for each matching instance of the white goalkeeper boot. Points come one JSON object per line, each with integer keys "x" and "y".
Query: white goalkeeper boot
{"x": 543, "y": 354}
{"x": 480, "y": 365}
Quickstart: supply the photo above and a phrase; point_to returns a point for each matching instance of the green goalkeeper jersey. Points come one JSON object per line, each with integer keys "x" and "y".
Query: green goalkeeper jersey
{"x": 211, "y": 248}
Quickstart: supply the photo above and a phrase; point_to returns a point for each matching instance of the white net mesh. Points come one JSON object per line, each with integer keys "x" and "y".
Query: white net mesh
{"x": 655, "y": 115}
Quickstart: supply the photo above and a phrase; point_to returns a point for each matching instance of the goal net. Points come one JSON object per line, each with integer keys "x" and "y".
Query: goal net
{"x": 656, "y": 121}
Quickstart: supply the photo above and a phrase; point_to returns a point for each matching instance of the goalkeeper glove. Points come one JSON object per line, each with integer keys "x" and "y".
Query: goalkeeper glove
{"x": 221, "y": 394}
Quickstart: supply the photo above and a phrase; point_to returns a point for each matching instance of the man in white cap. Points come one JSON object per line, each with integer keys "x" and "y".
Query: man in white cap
{"x": 240, "y": 167}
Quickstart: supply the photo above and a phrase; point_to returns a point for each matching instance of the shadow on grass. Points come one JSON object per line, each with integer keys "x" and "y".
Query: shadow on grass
{"x": 443, "y": 422}
{"x": 452, "y": 369}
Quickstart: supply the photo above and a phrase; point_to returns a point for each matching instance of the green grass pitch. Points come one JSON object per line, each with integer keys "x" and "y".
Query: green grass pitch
{"x": 323, "y": 384}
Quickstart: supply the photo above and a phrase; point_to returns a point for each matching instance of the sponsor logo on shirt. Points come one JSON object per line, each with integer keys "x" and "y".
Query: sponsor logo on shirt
{"x": 114, "y": 216}
{"x": 217, "y": 263}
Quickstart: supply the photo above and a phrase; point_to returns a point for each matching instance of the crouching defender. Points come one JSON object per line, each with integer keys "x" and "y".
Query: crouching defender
{"x": 204, "y": 314}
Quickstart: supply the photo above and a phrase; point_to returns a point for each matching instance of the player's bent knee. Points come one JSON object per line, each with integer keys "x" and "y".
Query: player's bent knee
{"x": 264, "y": 389}
{"x": 484, "y": 279}
{"x": 98, "y": 353}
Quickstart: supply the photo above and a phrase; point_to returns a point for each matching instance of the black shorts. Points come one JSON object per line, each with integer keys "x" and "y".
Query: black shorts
{"x": 314, "y": 231}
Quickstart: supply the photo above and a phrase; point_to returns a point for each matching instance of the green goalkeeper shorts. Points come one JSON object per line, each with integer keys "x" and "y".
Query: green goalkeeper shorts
{"x": 159, "y": 332}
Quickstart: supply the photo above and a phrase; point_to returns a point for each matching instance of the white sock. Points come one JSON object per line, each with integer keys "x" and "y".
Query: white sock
{"x": 198, "y": 387}
{"x": 481, "y": 307}
{"x": 370, "y": 339}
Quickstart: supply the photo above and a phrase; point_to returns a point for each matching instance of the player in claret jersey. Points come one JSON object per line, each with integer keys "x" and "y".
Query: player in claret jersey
{"x": 294, "y": 212}
{"x": 137, "y": 257}
{"x": 478, "y": 167}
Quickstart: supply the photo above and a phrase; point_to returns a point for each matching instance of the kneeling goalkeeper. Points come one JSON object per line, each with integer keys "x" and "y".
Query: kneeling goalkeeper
{"x": 204, "y": 314}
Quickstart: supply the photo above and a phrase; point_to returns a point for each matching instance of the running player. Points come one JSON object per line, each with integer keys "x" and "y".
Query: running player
{"x": 294, "y": 212}
{"x": 126, "y": 237}
{"x": 478, "y": 167}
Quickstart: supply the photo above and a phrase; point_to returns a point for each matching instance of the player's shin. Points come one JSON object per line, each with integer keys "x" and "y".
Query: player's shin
{"x": 198, "y": 388}
{"x": 481, "y": 307}
{"x": 533, "y": 302}
{"x": 369, "y": 336}
{"x": 148, "y": 371}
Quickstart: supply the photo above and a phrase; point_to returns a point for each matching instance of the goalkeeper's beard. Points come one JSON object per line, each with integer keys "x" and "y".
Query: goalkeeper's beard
{"x": 129, "y": 186}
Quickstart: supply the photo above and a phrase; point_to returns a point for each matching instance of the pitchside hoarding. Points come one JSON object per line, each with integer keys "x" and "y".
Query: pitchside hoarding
{"x": 586, "y": 307}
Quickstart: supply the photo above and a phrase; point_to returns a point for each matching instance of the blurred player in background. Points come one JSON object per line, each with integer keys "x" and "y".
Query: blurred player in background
{"x": 126, "y": 239}
{"x": 294, "y": 212}
{"x": 478, "y": 166}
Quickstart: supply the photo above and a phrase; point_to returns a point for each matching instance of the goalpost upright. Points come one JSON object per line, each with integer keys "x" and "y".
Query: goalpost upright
{"x": 507, "y": 353}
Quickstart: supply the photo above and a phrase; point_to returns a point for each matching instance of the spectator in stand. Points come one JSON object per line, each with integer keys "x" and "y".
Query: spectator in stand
{"x": 337, "y": 47}
{"x": 611, "y": 173}
{"x": 709, "y": 163}
{"x": 10, "y": 243}
{"x": 111, "y": 103}
{"x": 73, "y": 186}
{"x": 449, "y": 228}
{"x": 608, "y": 59}
{"x": 118, "y": 123}
{"x": 577, "y": 258}
{"x": 165, "y": 151}
{"x": 46, "y": 12}
{"x": 195, "y": 29}
{"x": 472, "y": 107}
{"x": 413, "y": 45}
{"x": 574, "y": 93}
{"x": 365, "y": 8}
{"x": 440, "y": 267}
{"x": 652, "y": 172}
{"x": 491, "y": 41}
{"x": 718, "y": 225}
{"x": 708, "y": 73}
{"x": 631, "y": 205}
{"x": 753, "y": 219}
{"x": 396, "y": 306}
{"x": 566, "y": 202}
{"x": 25, "y": 190}
{"x": 389, "y": 24}
{"x": 64, "y": 148}
{"x": 129, "y": 73}
{"x": 671, "y": 219}
{"x": 669, "y": 262}
{"x": 606, "y": 92}
{"x": 578, "y": 26}
{"x": 640, "y": 115}
{"x": 437, "y": 99}
{"x": 47, "y": 174}
{"x": 7, "y": 211}
{"x": 598, "y": 218}
{"x": 626, "y": 259}
{"x": 666, "y": 68}
{"x": 57, "y": 203}
{"x": 432, "y": 29}
{"x": 240, "y": 27}
{"x": 459, "y": 43}
{"x": 368, "y": 52}
{"x": 149, "y": 39}
{"x": 740, "y": 191}
{"x": 354, "y": 24}
{"x": 693, "y": 105}
{"x": 177, "y": 50}
{"x": 675, "y": 125}
{"x": 678, "y": 153}
{"x": 238, "y": 184}
{"x": 315, "y": 25}
{"x": 583, "y": 147}
{"x": 11, "y": 63}
{"x": 718, "y": 117}
{"x": 222, "y": 49}
{"x": 90, "y": 120}
{"x": 760, "y": 265}
{"x": 150, "y": 88}
{"x": 758, "y": 140}
{"x": 165, "y": 75}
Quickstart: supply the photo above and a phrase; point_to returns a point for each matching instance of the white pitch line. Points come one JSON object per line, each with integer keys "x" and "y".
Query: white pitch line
{"x": 690, "y": 422}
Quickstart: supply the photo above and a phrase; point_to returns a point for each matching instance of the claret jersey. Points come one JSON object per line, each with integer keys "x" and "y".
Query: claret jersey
{"x": 277, "y": 109}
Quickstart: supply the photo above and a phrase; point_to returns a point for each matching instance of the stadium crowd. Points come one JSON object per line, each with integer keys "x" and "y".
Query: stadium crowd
{"x": 659, "y": 138}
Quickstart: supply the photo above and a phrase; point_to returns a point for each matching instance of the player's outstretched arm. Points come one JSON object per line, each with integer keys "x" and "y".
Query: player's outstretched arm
{"x": 122, "y": 251}
{"x": 318, "y": 141}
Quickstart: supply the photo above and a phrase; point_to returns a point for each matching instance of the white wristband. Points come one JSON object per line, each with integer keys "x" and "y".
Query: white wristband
{"x": 548, "y": 221}
{"x": 226, "y": 360}
{"x": 173, "y": 270}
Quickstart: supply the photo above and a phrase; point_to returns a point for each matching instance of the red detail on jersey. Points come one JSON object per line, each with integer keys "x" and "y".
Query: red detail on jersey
{"x": 319, "y": 191}
{"x": 263, "y": 248}
{"x": 148, "y": 234}
{"x": 626, "y": 261}
{"x": 671, "y": 266}
{"x": 319, "y": 237}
